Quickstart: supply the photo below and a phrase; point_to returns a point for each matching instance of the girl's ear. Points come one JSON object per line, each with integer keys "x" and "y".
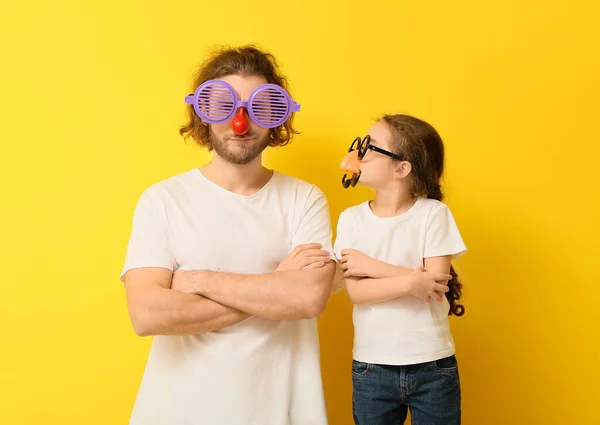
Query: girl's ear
{"x": 403, "y": 169}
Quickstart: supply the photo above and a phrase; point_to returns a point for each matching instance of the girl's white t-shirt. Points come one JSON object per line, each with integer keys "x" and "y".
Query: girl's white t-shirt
{"x": 405, "y": 330}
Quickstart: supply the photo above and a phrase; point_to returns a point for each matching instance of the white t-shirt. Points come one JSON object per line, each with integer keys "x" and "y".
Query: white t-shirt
{"x": 257, "y": 372}
{"x": 405, "y": 330}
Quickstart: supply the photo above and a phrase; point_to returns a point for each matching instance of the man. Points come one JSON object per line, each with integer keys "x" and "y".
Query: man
{"x": 229, "y": 264}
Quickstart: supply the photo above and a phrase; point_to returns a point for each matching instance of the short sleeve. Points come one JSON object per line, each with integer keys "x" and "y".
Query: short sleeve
{"x": 442, "y": 236}
{"x": 148, "y": 242}
{"x": 345, "y": 234}
{"x": 314, "y": 225}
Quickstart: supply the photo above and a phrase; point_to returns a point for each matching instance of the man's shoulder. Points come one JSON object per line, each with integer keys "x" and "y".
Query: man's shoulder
{"x": 298, "y": 185}
{"x": 169, "y": 185}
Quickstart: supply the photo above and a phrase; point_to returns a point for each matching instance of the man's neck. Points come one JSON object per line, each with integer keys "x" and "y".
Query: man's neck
{"x": 244, "y": 179}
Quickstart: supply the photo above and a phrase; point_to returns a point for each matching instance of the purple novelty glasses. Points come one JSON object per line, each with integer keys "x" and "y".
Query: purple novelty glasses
{"x": 269, "y": 105}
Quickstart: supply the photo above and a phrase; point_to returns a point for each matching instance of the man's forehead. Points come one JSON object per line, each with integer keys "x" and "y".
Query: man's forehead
{"x": 244, "y": 84}
{"x": 244, "y": 79}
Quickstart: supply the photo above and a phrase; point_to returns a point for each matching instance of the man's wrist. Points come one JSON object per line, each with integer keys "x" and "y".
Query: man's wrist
{"x": 198, "y": 281}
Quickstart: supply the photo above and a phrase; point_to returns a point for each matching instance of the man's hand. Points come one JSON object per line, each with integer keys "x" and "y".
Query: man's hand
{"x": 303, "y": 257}
{"x": 355, "y": 263}
{"x": 428, "y": 285}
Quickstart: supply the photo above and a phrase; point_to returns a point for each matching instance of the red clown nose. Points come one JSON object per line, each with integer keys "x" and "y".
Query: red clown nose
{"x": 239, "y": 124}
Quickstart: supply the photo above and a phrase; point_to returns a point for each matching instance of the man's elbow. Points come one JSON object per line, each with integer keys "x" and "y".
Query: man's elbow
{"x": 142, "y": 329}
{"x": 315, "y": 305}
{"x": 141, "y": 322}
{"x": 318, "y": 295}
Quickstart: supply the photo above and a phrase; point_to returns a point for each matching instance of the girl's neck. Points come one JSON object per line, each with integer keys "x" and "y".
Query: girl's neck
{"x": 390, "y": 203}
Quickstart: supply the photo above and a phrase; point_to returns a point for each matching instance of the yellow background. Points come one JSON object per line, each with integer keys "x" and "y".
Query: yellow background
{"x": 91, "y": 102}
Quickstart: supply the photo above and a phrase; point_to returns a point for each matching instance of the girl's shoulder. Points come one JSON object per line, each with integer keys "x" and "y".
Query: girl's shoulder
{"x": 355, "y": 210}
{"x": 436, "y": 213}
{"x": 432, "y": 204}
{"x": 427, "y": 209}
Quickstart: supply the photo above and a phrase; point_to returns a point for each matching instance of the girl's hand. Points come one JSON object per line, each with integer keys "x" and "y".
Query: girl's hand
{"x": 428, "y": 286}
{"x": 355, "y": 263}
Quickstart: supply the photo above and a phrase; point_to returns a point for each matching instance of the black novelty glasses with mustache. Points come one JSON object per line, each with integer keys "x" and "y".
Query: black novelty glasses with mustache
{"x": 365, "y": 144}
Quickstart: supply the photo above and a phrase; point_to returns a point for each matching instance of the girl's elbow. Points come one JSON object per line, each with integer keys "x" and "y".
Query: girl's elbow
{"x": 354, "y": 299}
{"x": 353, "y": 293}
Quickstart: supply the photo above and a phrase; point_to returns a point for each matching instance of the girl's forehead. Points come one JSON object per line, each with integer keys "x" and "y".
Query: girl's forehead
{"x": 380, "y": 134}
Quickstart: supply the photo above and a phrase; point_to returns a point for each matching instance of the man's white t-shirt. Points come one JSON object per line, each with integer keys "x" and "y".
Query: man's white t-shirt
{"x": 405, "y": 330}
{"x": 256, "y": 372}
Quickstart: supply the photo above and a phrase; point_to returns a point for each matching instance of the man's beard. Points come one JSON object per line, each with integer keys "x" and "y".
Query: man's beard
{"x": 244, "y": 152}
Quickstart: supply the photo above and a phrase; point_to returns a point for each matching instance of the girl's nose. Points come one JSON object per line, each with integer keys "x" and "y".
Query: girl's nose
{"x": 351, "y": 163}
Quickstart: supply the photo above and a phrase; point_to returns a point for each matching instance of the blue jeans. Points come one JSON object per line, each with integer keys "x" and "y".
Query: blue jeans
{"x": 382, "y": 394}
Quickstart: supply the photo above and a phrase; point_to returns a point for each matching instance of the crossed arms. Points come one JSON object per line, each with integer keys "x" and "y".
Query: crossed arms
{"x": 161, "y": 302}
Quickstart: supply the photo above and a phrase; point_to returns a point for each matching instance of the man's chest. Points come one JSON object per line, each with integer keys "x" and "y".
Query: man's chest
{"x": 230, "y": 238}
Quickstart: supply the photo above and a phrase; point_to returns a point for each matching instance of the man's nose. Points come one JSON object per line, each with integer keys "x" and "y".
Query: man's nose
{"x": 240, "y": 124}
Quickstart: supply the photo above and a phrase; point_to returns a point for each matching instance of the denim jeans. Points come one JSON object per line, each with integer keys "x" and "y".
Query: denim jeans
{"x": 382, "y": 394}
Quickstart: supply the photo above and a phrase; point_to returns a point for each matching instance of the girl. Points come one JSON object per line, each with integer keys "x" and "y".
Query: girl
{"x": 395, "y": 252}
